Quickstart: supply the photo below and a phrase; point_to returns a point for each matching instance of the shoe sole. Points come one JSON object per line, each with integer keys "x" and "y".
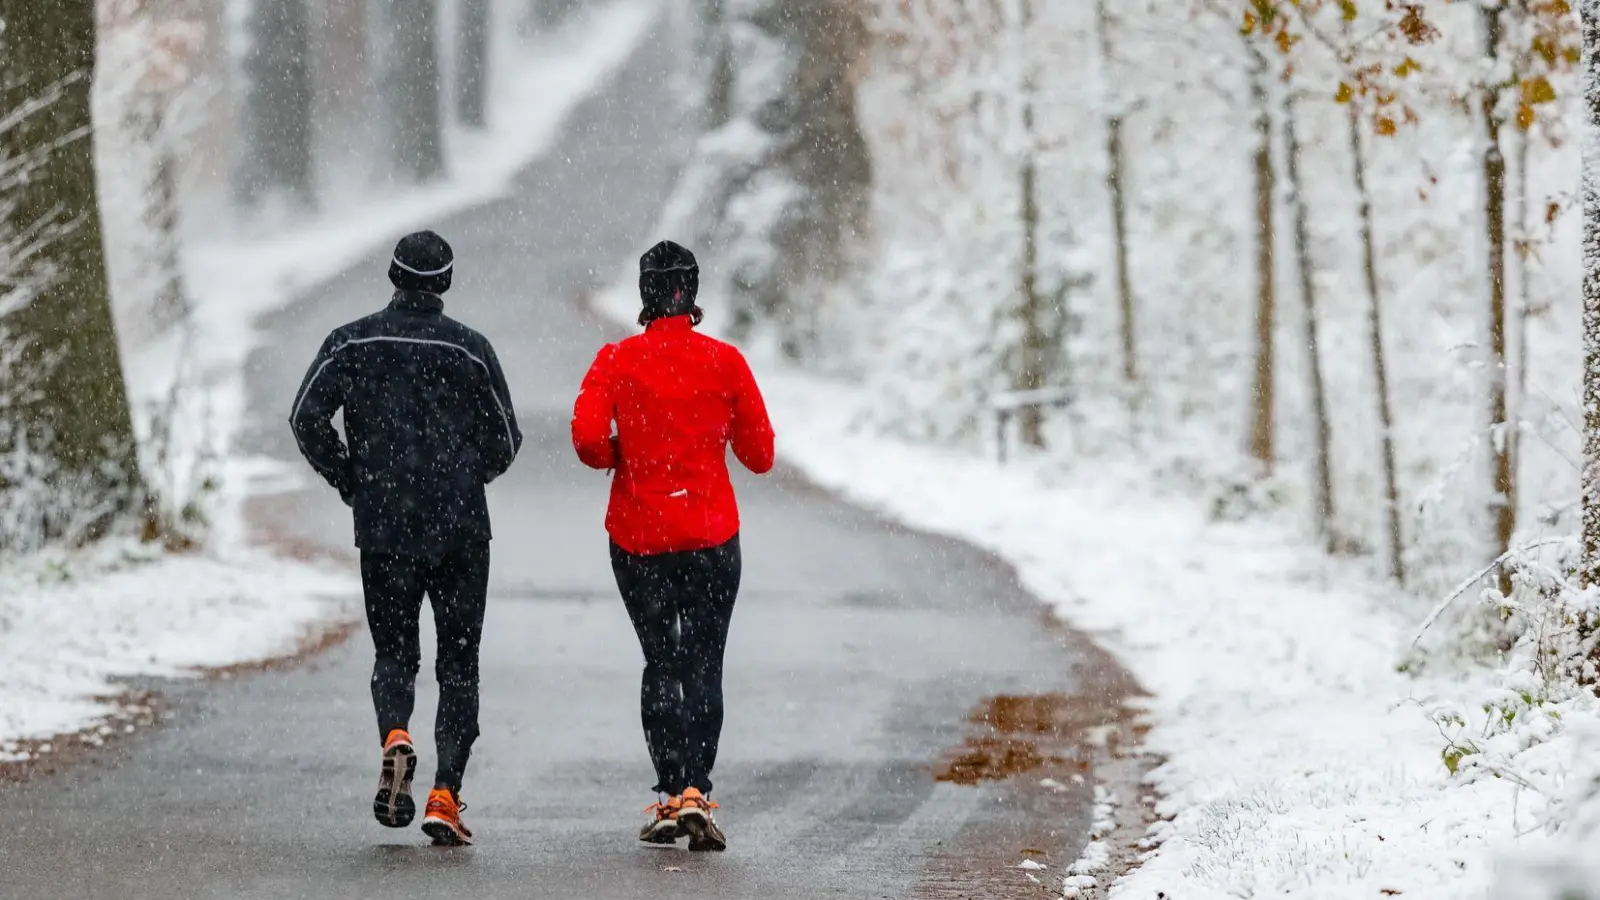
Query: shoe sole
{"x": 394, "y": 806}
{"x": 444, "y": 834}
{"x": 660, "y": 833}
{"x": 704, "y": 835}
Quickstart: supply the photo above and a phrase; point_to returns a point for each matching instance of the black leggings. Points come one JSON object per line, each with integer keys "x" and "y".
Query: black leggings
{"x": 681, "y": 605}
{"x": 458, "y": 584}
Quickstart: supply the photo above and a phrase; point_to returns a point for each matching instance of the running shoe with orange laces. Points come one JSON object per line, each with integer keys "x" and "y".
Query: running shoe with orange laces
{"x": 442, "y": 819}
{"x": 663, "y": 825}
{"x": 393, "y": 806}
{"x": 694, "y": 817}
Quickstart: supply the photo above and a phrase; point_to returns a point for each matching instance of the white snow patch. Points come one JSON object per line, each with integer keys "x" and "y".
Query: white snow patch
{"x": 72, "y": 624}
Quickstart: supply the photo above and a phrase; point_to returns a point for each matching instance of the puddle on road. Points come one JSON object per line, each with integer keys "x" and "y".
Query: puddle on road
{"x": 1017, "y": 735}
{"x": 1038, "y": 758}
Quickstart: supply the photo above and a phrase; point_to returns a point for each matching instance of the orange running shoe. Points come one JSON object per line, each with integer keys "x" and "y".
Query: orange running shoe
{"x": 663, "y": 825}
{"x": 393, "y": 806}
{"x": 695, "y": 818}
{"x": 442, "y": 819}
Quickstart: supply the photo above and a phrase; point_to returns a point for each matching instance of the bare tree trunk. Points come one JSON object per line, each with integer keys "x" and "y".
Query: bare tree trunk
{"x": 80, "y": 416}
{"x": 1035, "y": 353}
{"x": 1323, "y": 488}
{"x": 716, "y": 44}
{"x": 1503, "y": 502}
{"x": 472, "y": 63}
{"x": 1525, "y": 310}
{"x": 1380, "y": 366}
{"x": 1116, "y": 183}
{"x": 1590, "y": 570}
{"x": 1262, "y": 429}
{"x": 278, "y": 99}
{"x": 412, "y": 85}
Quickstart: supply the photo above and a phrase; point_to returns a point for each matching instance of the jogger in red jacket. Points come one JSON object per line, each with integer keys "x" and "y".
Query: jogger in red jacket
{"x": 661, "y": 409}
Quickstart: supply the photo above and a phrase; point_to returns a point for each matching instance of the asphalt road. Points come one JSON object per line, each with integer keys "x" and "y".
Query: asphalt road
{"x": 858, "y": 650}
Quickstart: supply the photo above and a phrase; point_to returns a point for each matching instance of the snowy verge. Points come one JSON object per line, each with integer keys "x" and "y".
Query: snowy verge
{"x": 1299, "y": 760}
{"x": 73, "y": 625}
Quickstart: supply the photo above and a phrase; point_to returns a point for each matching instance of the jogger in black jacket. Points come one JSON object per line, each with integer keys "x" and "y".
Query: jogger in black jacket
{"x": 429, "y": 423}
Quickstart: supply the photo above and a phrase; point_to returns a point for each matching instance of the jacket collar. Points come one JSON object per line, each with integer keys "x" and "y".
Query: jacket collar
{"x": 671, "y": 324}
{"x": 417, "y": 301}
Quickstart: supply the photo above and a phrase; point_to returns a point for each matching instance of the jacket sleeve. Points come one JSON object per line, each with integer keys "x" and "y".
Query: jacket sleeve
{"x": 751, "y": 435}
{"x": 499, "y": 436}
{"x": 593, "y": 414}
{"x": 321, "y": 394}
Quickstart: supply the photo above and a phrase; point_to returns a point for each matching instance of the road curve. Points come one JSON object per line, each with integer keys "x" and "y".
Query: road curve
{"x": 858, "y": 651}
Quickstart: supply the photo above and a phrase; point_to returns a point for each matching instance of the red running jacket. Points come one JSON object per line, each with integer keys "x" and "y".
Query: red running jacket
{"x": 678, "y": 399}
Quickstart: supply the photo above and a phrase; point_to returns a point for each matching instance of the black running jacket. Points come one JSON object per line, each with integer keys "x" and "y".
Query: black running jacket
{"x": 427, "y": 419}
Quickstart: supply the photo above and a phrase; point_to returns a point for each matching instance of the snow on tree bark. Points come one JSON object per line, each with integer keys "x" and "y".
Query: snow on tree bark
{"x": 1263, "y": 429}
{"x": 1502, "y": 478}
{"x": 1322, "y": 482}
{"x": 1375, "y": 349}
{"x": 79, "y": 412}
{"x": 1116, "y": 185}
{"x": 1590, "y": 10}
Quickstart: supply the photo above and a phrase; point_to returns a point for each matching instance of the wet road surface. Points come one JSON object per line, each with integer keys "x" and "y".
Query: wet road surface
{"x": 858, "y": 650}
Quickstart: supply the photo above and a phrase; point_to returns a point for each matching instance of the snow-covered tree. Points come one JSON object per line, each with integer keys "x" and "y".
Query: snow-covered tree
{"x": 411, "y": 88}
{"x": 778, "y": 192}
{"x": 276, "y": 144}
{"x": 472, "y": 62}
{"x": 1591, "y": 293}
{"x": 57, "y": 305}
{"x": 150, "y": 47}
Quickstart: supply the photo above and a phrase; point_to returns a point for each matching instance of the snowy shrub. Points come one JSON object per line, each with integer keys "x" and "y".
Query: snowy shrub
{"x": 1538, "y": 725}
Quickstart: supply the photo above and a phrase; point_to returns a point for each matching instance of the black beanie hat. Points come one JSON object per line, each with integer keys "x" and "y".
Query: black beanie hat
{"x": 669, "y": 280}
{"x": 422, "y": 262}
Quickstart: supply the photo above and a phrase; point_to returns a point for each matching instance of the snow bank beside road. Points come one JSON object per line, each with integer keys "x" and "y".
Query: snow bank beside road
{"x": 1299, "y": 761}
{"x": 72, "y": 624}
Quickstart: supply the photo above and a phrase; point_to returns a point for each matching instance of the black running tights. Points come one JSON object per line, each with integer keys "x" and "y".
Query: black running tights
{"x": 681, "y": 605}
{"x": 457, "y": 583}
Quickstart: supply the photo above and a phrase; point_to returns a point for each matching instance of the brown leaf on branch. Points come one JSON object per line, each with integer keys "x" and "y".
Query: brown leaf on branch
{"x": 1525, "y": 116}
{"x": 1538, "y": 90}
{"x": 1416, "y": 29}
{"x": 1385, "y": 126}
{"x": 1344, "y": 94}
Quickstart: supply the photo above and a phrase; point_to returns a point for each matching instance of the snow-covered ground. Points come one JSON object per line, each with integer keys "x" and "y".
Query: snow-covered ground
{"x": 72, "y": 624}
{"x": 1301, "y": 759}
